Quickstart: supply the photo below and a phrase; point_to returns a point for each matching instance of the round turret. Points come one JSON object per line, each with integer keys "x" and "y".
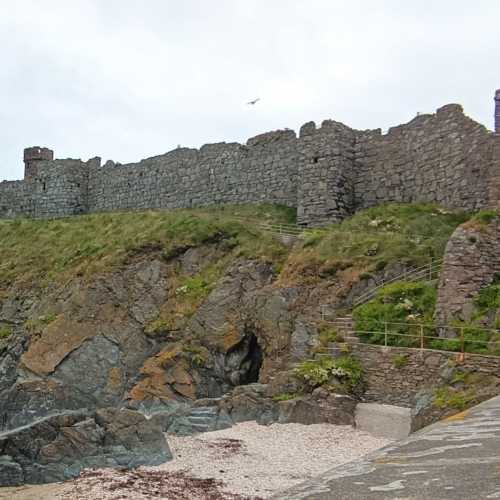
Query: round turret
{"x": 31, "y": 158}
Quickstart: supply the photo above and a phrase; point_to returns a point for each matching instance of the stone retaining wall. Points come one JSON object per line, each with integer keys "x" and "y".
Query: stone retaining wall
{"x": 391, "y": 383}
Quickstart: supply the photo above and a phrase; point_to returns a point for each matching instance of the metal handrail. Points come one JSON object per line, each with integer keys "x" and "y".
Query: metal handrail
{"x": 463, "y": 342}
{"x": 413, "y": 274}
{"x": 429, "y": 270}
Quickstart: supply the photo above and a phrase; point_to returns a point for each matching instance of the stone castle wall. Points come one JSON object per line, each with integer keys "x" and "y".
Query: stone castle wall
{"x": 445, "y": 158}
{"x": 326, "y": 173}
{"x": 265, "y": 170}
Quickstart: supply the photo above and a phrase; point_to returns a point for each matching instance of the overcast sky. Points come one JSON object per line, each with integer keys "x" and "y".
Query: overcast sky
{"x": 128, "y": 79}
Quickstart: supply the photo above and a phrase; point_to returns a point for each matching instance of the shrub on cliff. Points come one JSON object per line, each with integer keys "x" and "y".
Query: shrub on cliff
{"x": 488, "y": 298}
{"x": 345, "y": 369}
{"x": 395, "y": 308}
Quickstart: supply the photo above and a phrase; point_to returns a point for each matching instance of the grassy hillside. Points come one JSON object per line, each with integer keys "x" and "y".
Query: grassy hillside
{"x": 373, "y": 238}
{"x": 51, "y": 249}
{"x": 47, "y": 250}
{"x": 414, "y": 233}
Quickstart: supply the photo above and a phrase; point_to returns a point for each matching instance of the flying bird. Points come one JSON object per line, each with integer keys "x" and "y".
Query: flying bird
{"x": 251, "y": 103}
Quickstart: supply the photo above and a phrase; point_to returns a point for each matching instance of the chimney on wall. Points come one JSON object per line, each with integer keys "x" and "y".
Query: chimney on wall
{"x": 34, "y": 155}
{"x": 497, "y": 111}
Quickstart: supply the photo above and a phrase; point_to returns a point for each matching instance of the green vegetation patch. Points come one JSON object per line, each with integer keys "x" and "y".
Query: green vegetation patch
{"x": 34, "y": 325}
{"x": 5, "y": 332}
{"x": 317, "y": 372}
{"x": 400, "y": 307}
{"x": 47, "y": 250}
{"x": 475, "y": 336}
{"x": 285, "y": 396}
{"x": 488, "y": 298}
{"x": 448, "y": 397}
{"x": 372, "y": 238}
{"x": 485, "y": 217}
{"x": 400, "y": 360}
{"x": 329, "y": 334}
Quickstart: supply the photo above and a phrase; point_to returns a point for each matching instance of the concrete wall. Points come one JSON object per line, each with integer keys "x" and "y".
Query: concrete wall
{"x": 327, "y": 173}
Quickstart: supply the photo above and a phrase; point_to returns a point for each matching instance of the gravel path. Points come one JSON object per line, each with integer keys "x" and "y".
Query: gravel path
{"x": 246, "y": 461}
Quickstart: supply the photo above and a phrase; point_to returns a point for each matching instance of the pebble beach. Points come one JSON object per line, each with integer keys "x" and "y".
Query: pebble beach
{"x": 247, "y": 461}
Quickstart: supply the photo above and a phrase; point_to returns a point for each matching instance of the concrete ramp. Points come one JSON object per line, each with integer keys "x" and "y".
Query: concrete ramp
{"x": 457, "y": 458}
{"x": 391, "y": 422}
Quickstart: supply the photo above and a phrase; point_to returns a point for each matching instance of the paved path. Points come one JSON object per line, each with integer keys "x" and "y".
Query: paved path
{"x": 458, "y": 458}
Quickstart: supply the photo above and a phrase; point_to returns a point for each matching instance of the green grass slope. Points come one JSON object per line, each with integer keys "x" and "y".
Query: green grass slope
{"x": 47, "y": 250}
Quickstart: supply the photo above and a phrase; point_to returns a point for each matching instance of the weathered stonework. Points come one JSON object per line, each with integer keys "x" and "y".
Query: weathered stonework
{"x": 471, "y": 260}
{"x": 326, "y": 173}
{"x": 497, "y": 111}
{"x": 399, "y": 384}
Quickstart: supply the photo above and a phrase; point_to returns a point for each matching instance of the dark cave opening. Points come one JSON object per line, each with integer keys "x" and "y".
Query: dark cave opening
{"x": 244, "y": 361}
{"x": 252, "y": 362}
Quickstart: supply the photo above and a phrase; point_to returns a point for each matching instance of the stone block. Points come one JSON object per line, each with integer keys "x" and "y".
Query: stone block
{"x": 392, "y": 422}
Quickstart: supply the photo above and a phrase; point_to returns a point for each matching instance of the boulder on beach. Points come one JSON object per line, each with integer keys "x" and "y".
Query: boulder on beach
{"x": 58, "y": 447}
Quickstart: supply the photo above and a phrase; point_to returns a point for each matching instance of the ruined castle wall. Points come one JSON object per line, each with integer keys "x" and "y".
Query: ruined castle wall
{"x": 445, "y": 158}
{"x": 265, "y": 170}
{"x": 326, "y": 186}
{"x": 14, "y": 200}
{"x": 327, "y": 173}
{"x": 59, "y": 188}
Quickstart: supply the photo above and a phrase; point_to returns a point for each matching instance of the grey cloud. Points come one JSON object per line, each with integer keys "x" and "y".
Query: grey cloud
{"x": 129, "y": 79}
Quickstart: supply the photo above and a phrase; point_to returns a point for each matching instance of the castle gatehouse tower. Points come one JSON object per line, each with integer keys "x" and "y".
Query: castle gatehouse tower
{"x": 31, "y": 158}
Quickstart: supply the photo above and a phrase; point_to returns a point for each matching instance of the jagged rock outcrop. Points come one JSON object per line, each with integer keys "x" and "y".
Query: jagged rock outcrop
{"x": 58, "y": 447}
{"x": 88, "y": 343}
{"x": 81, "y": 344}
{"x": 471, "y": 260}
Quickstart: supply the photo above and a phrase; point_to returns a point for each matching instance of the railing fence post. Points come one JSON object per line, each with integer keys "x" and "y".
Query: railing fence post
{"x": 462, "y": 341}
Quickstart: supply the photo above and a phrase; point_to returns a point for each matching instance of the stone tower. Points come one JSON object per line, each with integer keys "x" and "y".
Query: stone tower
{"x": 497, "y": 111}
{"x": 31, "y": 158}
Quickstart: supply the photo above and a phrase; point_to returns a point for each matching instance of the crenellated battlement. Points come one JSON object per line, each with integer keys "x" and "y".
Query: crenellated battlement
{"x": 326, "y": 172}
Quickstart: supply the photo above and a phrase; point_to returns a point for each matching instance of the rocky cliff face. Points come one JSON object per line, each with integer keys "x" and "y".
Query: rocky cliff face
{"x": 101, "y": 341}
{"x": 211, "y": 307}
